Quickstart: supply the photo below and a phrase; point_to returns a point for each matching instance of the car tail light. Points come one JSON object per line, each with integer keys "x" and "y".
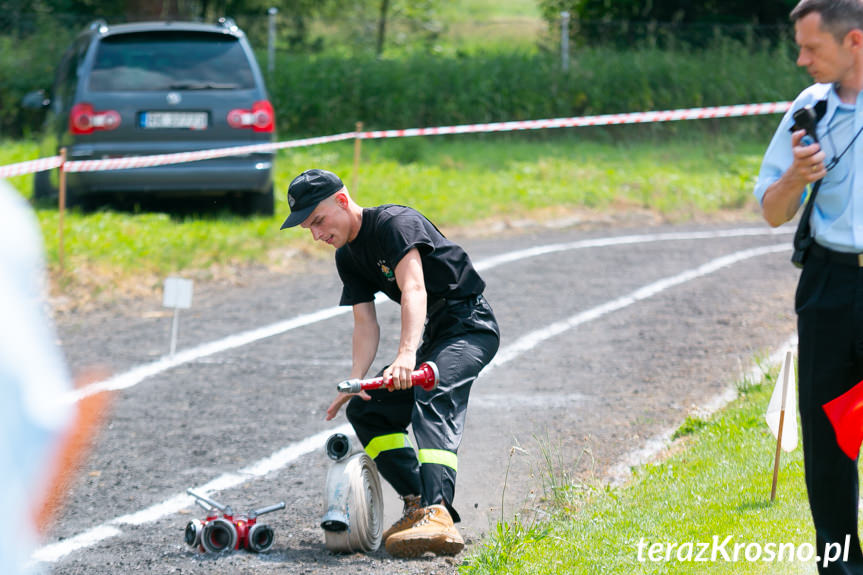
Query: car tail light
{"x": 260, "y": 118}
{"x": 83, "y": 119}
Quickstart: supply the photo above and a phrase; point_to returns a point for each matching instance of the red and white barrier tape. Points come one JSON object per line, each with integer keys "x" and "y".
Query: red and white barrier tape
{"x": 603, "y": 120}
{"x": 579, "y": 121}
{"x": 183, "y": 157}
{"x": 30, "y": 167}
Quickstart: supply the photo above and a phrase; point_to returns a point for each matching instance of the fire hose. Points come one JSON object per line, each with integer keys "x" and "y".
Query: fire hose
{"x": 353, "y": 500}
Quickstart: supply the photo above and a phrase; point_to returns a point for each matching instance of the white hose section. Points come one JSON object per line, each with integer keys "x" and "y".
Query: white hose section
{"x": 356, "y": 477}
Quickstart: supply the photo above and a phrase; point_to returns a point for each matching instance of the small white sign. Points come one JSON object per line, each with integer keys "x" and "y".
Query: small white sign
{"x": 178, "y": 293}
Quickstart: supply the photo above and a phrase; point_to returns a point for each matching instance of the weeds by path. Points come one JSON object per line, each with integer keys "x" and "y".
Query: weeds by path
{"x": 704, "y": 501}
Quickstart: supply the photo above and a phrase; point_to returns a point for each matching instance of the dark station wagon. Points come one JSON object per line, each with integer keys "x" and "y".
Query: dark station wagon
{"x": 160, "y": 88}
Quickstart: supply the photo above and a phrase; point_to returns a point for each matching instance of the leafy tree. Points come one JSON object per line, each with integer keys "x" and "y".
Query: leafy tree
{"x": 593, "y": 17}
{"x": 373, "y": 18}
{"x": 419, "y": 13}
{"x": 730, "y": 11}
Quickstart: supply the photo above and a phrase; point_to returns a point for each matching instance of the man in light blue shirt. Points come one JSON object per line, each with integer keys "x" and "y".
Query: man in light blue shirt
{"x": 34, "y": 382}
{"x": 829, "y": 299}
{"x": 781, "y": 181}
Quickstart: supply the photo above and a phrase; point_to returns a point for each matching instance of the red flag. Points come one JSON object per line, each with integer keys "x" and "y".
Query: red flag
{"x": 846, "y": 414}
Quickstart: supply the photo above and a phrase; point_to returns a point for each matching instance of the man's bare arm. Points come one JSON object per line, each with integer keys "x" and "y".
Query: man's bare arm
{"x": 411, "y": 282}
{"x": 782, "y": 198}
{"x": 367, "y": 334}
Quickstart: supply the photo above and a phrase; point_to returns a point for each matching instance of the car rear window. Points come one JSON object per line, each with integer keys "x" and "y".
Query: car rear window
{"x": 170, "y": 61}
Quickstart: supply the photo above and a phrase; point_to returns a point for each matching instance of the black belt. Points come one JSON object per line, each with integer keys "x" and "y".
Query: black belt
{"x": 832, "y": 256}
{"x": 437, "y": 305}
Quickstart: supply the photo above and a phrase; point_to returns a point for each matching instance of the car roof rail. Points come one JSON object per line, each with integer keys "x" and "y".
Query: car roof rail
{"x": 98, "y": 23}
{"x": 228, "y": 23}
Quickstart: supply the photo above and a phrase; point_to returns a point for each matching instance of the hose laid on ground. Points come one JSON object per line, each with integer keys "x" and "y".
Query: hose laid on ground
{"x": 354, "y": 505}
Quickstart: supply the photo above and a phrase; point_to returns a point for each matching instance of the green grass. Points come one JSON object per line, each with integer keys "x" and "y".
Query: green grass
{"x": 718, "y": 484}
{"x": 12, "y": 152}
{"x": 462, "y": 27}
{"x": 480, "y": 10}
{"x": 487, "y": 25}
{"x": 457, "y": 181}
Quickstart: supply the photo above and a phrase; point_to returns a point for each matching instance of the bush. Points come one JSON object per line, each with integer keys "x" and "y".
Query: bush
{"x": 321, "y": 95}
{"x": 27, "y": 63}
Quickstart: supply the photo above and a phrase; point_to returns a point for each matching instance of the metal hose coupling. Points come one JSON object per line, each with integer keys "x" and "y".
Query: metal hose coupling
{"x": 338, "y": 446}
{"x": 192, "y": 534}
{"x": 261, "y": 538}
{"x": 219, "y": 536}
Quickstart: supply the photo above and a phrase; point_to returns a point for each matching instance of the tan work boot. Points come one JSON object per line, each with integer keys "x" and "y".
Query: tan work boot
{"x": 412, "y": 513}
{"x": 434, "y": 532}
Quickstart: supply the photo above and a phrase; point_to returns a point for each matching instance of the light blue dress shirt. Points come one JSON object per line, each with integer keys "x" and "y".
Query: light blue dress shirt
{"x": 34, "y": 383}
{"x": 837, "y": 216}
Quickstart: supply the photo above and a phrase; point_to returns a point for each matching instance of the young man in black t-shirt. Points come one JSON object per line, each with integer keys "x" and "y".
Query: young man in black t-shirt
{"x": 444, "y": 319}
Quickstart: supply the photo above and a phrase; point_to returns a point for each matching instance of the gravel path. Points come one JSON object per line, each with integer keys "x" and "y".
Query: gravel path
{"x": 651, "y": 334}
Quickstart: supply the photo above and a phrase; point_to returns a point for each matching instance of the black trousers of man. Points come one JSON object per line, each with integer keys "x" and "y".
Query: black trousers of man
{"x": 461, "y": 337}
{"x": 829, "y": 305}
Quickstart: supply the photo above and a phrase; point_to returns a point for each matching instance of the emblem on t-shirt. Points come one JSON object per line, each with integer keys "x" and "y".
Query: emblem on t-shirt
{"x": 386, "y": 270}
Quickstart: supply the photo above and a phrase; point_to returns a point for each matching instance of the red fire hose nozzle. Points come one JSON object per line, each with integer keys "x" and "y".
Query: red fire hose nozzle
{"x": 426, "y": 377}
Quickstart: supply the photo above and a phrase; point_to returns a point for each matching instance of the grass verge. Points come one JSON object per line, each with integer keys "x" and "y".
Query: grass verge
{"x": 459, "y": 182}
{"x": 718, "y": 485}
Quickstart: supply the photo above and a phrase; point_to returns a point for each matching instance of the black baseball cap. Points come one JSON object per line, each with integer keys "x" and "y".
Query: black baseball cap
{"x": 308, "y": 190}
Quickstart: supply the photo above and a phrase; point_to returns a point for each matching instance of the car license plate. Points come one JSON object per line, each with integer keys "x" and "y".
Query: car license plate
{"x": 181, "y": 120}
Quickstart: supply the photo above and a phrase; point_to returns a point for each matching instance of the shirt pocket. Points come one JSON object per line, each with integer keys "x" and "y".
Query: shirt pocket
{"x": 833, "y": 197}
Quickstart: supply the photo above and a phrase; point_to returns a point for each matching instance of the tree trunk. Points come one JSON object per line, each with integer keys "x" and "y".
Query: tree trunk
{"x": 152, "y": 10}
{"x": 170, "y": 10}
{"x": 382, "y": 27}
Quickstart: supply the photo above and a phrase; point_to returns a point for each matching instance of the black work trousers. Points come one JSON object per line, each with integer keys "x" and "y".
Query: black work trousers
{"x": 829, "y": 304}
{"x": 461, "y": 337}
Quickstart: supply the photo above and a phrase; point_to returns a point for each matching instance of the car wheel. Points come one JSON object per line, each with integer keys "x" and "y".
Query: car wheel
{"x": 43, "y": 191}
{"x": 74, "y": 199}
{"x": 263, "y": 204}
{"x": 46, "y": 195}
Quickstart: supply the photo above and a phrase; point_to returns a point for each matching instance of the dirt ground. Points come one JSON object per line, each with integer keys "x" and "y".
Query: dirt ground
{"x": 619, "y": 355}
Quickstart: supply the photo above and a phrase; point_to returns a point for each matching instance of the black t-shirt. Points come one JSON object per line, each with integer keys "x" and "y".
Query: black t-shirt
{"x": 367, "y": 264}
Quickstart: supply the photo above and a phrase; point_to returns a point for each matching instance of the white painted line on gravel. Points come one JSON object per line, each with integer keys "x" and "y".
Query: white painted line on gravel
{"x": 55, "y": 551}
{"x": 51, "y": 553}
{"x": 620, "y": 472}
{"x": 625, "y": 240}
{"x": 530, "y": 340}
{"x": 138, "y": 374}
